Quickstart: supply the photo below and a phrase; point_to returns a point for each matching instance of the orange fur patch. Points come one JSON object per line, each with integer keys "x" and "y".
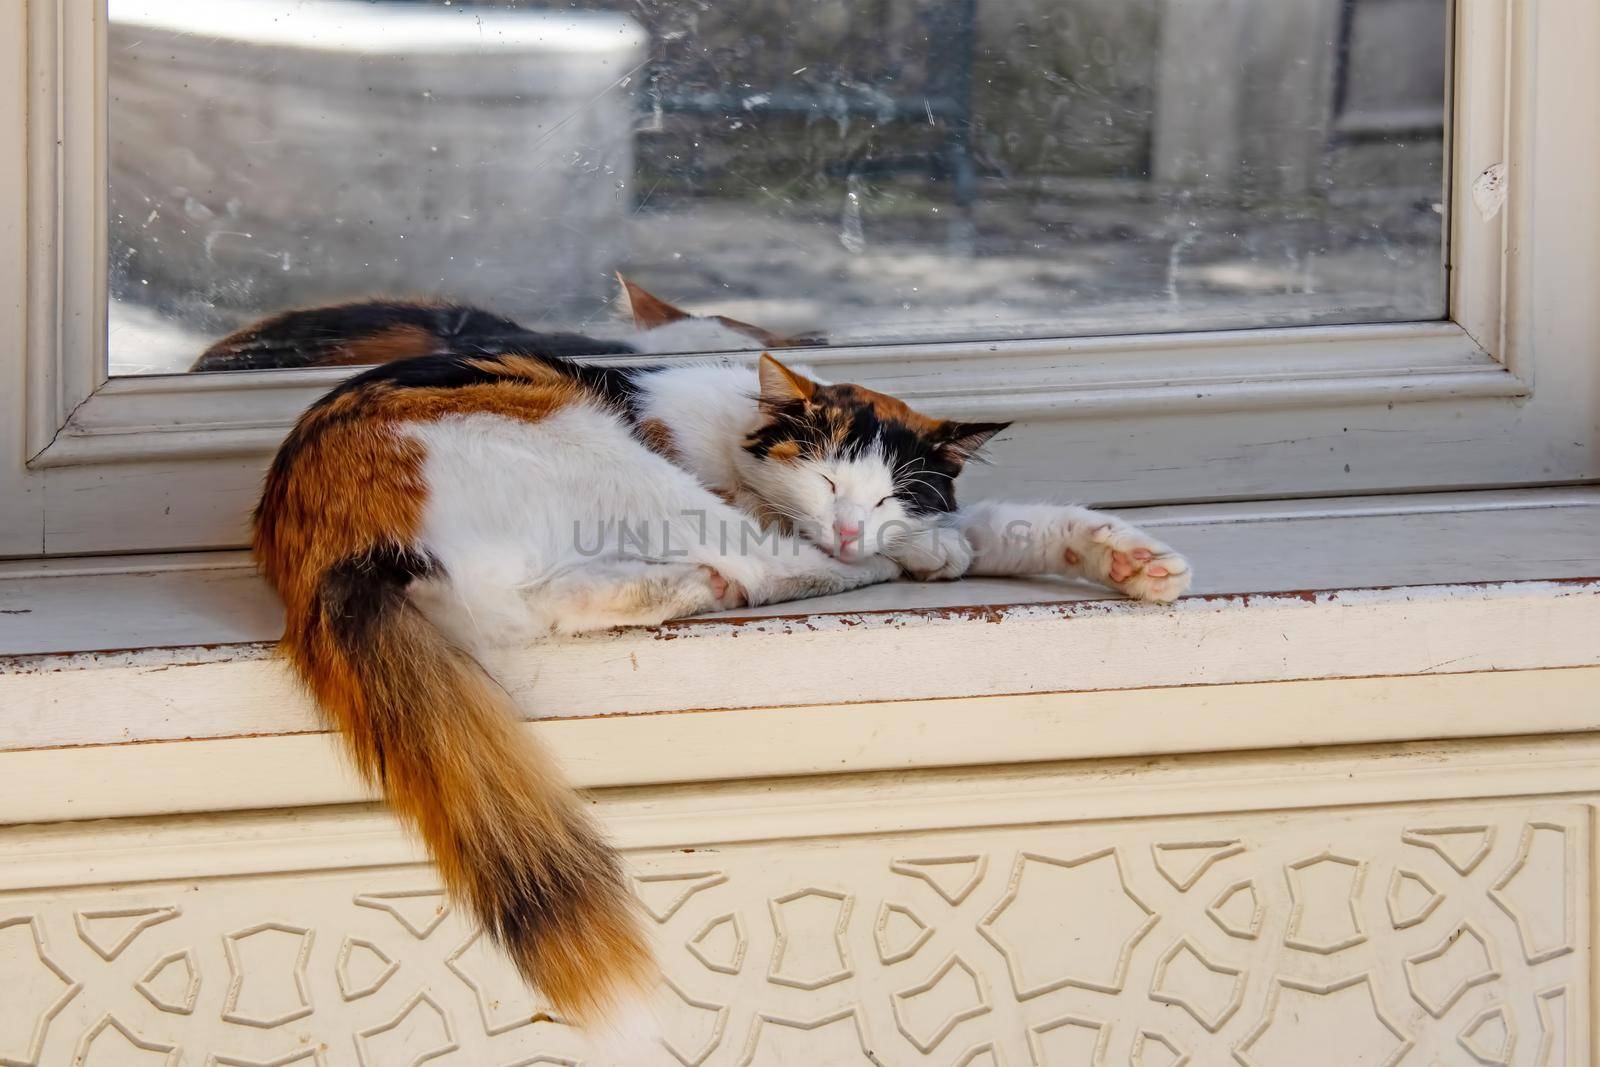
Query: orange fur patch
{"x": 657, "y": 437}
{"x": 395, "y": 342}
{"x": 358, "y": 485}
{"x": 886, "y": 407}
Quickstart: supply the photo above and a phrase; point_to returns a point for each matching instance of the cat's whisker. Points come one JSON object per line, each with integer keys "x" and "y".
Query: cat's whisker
{"x": 918, "y": 481}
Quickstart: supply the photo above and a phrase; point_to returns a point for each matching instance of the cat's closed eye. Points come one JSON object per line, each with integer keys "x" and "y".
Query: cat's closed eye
{"x": 831, "y": 487}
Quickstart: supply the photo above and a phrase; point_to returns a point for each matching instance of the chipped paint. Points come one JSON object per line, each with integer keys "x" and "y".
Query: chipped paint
{"x": 813, "y": 622}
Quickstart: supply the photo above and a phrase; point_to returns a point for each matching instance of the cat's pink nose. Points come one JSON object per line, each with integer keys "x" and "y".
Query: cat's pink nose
{"x": 847, "y": 533}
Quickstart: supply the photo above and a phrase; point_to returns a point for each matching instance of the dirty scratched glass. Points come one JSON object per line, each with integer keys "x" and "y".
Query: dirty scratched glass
{"x": 876, "y": 171}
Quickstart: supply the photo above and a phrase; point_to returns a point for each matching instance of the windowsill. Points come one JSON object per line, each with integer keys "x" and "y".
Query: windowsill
{"x": 1425, "y": 598}
{"x": 51, "y": 609}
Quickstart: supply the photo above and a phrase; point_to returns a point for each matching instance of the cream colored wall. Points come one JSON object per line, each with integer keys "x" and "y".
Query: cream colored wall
{"x": 1426, "y": 904}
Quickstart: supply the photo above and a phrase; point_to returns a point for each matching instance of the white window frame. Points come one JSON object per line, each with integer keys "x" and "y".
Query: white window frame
{"x": 1506, "y": 392}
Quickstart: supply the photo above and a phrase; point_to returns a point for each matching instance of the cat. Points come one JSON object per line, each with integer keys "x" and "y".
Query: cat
{"x": 436, "y": 504}
{"x": 378, "y": 331}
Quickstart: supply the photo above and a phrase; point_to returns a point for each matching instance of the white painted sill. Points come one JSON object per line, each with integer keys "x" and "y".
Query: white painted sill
{"x": 1313, "y": 623}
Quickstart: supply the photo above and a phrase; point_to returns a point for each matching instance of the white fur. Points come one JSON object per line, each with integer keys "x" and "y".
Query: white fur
{"x": 710, "y": 408}
{"x": 1011, "y": 539}
{"x": 693, "y": 335}
{"x": 569, "y": 523}
{"x": 825, "y": 499}
{"x": 632, "y": 1033}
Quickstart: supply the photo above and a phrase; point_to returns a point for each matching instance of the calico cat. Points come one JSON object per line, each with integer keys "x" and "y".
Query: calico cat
{"x": 439, "y": 503}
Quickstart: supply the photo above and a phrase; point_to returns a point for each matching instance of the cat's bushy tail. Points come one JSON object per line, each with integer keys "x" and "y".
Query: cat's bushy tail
{"x": 425, "y": 723}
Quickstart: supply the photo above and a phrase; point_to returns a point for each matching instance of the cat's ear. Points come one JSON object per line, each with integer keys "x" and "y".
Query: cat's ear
{"x": 780, "y": 384}
{"x": 961, "y": 441}
{"x": 647, "y": 309}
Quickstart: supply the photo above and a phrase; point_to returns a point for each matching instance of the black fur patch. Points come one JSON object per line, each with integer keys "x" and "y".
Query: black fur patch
{"x": 357, "y": 593}
{"x": 314, "y": 337}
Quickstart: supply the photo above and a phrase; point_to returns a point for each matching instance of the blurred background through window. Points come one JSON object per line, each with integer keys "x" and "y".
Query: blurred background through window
{"x": 877, "y": 170}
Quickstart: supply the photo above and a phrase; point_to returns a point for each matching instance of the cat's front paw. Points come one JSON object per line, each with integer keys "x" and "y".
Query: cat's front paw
{"x": 933, "y": 555}
{"x": 1131, "y": 561}
{"x": 725, "y": 594}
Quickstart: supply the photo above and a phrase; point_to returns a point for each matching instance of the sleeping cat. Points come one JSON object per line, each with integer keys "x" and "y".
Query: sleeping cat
{"x": 439, "y": 503}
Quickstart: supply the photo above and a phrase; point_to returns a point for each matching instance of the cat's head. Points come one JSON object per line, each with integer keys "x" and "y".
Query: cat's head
{"x": 852, "y": 470}
{"x": 661, "y": 327}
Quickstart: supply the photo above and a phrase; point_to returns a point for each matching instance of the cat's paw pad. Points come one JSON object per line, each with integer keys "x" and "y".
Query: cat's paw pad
{"x": 1129, "y": 560}
{"x": 724, "y": 593}
{"x": 936, "y": 555}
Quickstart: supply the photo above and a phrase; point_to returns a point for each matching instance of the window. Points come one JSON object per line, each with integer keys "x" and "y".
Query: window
{"x": 879, "y": 171}
{"x": 1251, "y": 249}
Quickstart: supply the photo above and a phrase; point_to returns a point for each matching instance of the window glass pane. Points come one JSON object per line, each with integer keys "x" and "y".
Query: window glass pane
{"x": 872, "y": 170}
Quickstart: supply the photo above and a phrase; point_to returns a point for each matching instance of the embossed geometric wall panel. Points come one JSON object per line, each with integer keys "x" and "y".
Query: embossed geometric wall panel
{"x": 1443, "y": 933}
